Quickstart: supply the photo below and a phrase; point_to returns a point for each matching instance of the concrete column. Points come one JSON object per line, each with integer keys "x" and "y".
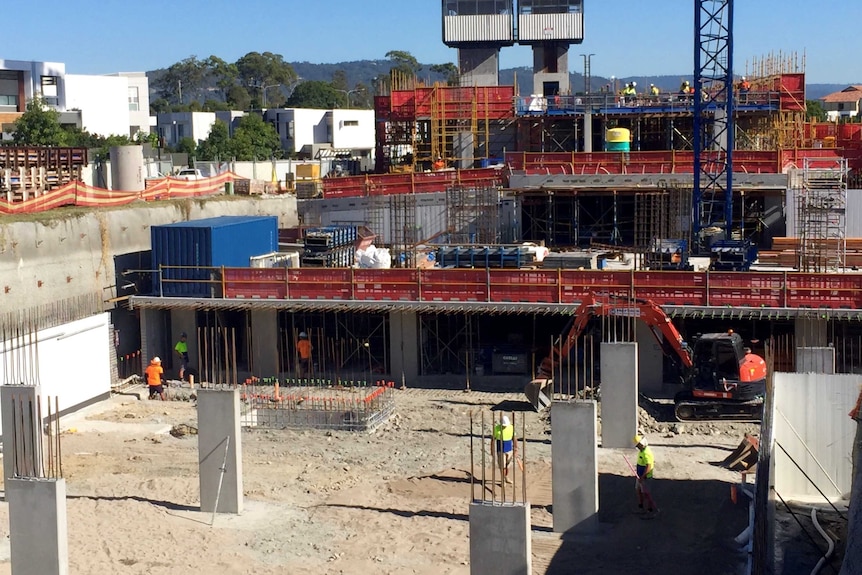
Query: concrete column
{"x": 650, "y": 359}
{"x": 479, "y": 66}
{"x": 22, "y": 445}
{"x": 574, "y": 468}
{"x": 815, "y": 360}
{"x": 619, "y": 363}
{"x": 557, "y": 52}
{"x": 811, "y": 332}
{"x": 404, "y": 345}
{"x": 264, "y": 337}
{"x": 37, "y": 526}
{"x": 152, "y": 334}
{"x": 500, "y": 542}
{"x": 218, "y": 427}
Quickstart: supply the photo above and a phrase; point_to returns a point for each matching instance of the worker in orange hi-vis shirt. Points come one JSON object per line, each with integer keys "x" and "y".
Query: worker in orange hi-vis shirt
{"x": 154, "y": 374}
{"x": 303, "y": 347}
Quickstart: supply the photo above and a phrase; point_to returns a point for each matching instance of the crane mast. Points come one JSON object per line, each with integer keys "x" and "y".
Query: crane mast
{"x": 712, "y": 199}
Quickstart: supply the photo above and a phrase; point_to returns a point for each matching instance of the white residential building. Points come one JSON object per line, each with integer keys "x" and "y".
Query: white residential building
{"x": 117, "y": 104}
{"x": 174, "y": 126}
{"x": 844, "y": 104}
{"x": 307, "y": 130}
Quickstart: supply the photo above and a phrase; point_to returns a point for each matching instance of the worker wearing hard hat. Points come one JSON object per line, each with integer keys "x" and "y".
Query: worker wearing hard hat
{"x": 303, "y": 349}
{"x": 155, "y": 381}
{"x": 644, "y": 472}
{"x": 653, "y": 90}
{"x": 504, "y": 446}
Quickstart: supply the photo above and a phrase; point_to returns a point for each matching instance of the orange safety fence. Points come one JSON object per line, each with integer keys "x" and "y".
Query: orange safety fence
{"x": 82, "y": 195}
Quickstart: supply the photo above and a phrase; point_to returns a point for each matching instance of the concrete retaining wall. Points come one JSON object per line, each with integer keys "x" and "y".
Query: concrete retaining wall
{"x": 54, "y": 256}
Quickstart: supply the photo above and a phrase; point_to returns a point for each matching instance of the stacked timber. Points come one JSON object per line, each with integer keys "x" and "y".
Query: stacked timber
{"x": 27, "y": 172}
{"x": 785, "y": 251}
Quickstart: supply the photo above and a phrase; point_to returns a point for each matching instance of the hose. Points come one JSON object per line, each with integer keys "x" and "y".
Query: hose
{"x": 828, "y": 539}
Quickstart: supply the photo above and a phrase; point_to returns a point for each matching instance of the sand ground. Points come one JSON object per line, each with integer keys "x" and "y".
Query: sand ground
{"x": 394, "y": 501}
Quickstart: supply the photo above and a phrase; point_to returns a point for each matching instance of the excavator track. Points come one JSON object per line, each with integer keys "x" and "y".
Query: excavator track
{"x": 686, "y": 408}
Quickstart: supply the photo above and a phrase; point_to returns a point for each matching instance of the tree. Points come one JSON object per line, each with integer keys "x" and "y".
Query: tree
{"x": 187, "y": 146}
{"x": 256, "y": 71}
{"x": 159, "y": 106}
{"x": 39, "y": 125}
{"x": 814, "y": 110}
{"x": 183, "y": 81}
{"x": 224, "y": 75}
{"x": 238, "y": 98}
{"x": 218, "y": 145}
{"x": 315, "y": 94}
{"x": 255, "y": 139}
{"x": 363, "y": 97}
{"x": 449, "y": 71}
{"x": 339, "y": 80}
{"x": 404, "y": 62}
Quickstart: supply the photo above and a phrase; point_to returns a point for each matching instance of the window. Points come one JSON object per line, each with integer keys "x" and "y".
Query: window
{"x": 477, "y": 7}
{"x": 49, "y": 90}
{"x": 351, "y": 123}
{"x": 134, "y": 102}
{"x": 550, "y": 6}
{"x": 7, "y": 100}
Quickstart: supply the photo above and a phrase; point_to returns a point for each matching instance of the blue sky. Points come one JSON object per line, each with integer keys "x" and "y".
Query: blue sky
{"x": 628, "y": 38}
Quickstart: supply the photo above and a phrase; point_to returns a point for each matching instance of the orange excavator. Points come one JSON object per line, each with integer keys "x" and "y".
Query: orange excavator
{"x": 722, "y": 379}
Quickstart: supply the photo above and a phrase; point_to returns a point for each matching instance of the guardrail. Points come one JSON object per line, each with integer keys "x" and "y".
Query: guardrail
{"x": 697, "y": 289}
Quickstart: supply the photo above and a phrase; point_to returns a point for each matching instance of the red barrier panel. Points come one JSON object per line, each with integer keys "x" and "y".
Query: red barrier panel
{"x": 386, "y": 285}
{"x": 255, "y": 283}
{"x": 454, "y": 285}
{"x": 322, "y": 283}
{"x": 824, "y": 291}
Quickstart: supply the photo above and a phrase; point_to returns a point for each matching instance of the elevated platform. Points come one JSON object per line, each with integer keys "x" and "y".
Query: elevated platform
{"x": 610, "y": 105}
{"x": 765, "y": 295}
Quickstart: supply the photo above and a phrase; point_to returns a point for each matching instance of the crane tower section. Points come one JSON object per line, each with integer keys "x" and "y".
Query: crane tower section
{"x": 713, "y": 118}
{"x": 550, "y": 27}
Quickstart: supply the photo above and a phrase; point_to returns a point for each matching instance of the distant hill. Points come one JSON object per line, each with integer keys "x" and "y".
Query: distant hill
{"x": 365, "y": 72}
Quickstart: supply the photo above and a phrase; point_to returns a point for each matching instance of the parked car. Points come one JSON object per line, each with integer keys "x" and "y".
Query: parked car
{"x": 189, "y": 174}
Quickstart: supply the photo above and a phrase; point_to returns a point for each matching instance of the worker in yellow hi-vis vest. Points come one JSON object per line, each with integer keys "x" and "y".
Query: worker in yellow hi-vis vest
{"x": 504, "y": 446}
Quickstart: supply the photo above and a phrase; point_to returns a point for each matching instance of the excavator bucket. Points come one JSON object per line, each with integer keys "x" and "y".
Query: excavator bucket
{"x": 539, "y": 393}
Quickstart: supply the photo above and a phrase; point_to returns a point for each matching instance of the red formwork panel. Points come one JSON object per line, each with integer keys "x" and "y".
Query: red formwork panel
{"x": 791, "y": 88}
{"x": 386, "y": 285}
{"x": 454, "y": 285}
{"x": 382, "y": 107}
{"x": 834, "y": 291}
{"x": 346, "y": 187}
{"x": 579, "y": 284}
{"x": 255, "y": 283}
{"x": 319, "y": 283}
{"x": 481, "y": 177}
{"x": 762, "y": 289}
{"x": 389, "y": 184}
{"x": 671, "y": 288}
{"x": 536, "y": 286}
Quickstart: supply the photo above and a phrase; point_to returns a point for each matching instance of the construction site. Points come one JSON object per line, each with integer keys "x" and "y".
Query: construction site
{"x": 681, "y": 266}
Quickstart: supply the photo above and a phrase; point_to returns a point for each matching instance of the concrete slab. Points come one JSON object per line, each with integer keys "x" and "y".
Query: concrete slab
{"x": 619, "y": 363}
{"x": 574, "y": 466}
{"x": 500, "y": 542}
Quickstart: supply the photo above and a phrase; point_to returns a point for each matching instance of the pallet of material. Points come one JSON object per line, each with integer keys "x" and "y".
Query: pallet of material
{"x": 254, "y": 188}
{"x": 568, "y": 261}
{"x": 785, "y": 252}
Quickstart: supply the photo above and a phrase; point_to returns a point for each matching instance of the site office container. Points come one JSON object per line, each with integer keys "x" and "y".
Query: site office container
{"x": 186, "y": 252}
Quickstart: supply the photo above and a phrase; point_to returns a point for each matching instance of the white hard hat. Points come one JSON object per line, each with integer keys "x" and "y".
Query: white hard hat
{"x": 743, "y": 77}
{"x": 303, "y": 334}
{"x": 506, "y": 420}
{"x": 634, "y": 83}
{"x": 157, "y": 359}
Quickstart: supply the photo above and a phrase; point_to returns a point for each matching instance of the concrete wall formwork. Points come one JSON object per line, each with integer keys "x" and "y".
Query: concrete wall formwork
{"x": 264, "y": 348}
{"x": 810, "y": 423}
{"x": 404, "y": 345}
{"x": 575, "y": 477}
{"x": 619, "y": 364}
{"x": 650, "y": 359}
{"x": 815, "y": 360}
{"x": 55, "y": 258}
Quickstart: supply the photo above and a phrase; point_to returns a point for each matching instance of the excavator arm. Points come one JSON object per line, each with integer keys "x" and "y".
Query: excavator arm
{"x": 540, "y": 390}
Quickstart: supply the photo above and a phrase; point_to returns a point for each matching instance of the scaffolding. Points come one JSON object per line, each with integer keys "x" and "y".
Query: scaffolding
{"x": 473, "y": 215}
{"x": 402, "y": 230}
{"x": 821, "y": 204}
{"x": 375, "y": 218}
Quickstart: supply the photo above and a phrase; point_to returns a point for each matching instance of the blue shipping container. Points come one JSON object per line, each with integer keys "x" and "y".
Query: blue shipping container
{"x": 212, "y": 242}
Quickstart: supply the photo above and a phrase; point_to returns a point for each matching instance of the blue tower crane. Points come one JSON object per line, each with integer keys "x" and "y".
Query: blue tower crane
{"x": 713, "y": 117}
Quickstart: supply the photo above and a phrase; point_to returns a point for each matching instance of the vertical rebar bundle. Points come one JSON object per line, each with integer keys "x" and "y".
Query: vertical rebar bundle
{"x": 472, "y": 215}
{"x": 821, "y": 205}
{"x": 504, "y": 486}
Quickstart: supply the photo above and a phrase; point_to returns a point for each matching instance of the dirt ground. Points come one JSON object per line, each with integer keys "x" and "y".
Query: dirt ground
{"x": 394, "y": 501}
